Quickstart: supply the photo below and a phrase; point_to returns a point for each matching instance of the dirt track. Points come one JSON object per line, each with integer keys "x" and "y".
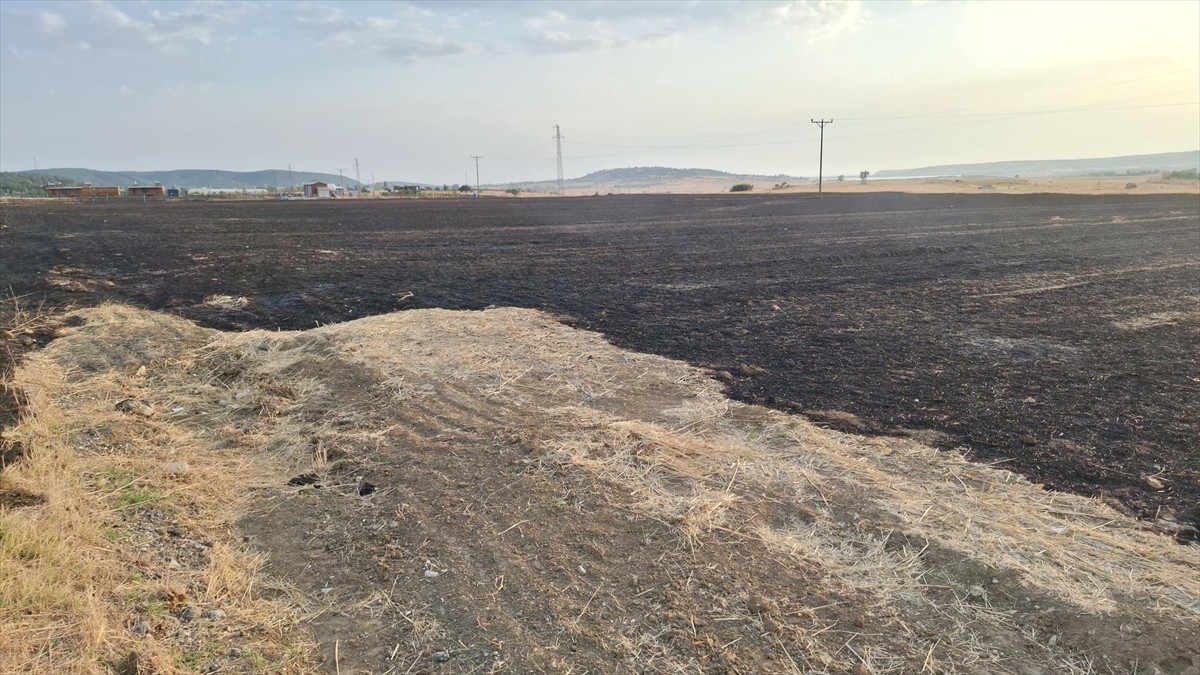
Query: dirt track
{"x": 1054, "y": 334}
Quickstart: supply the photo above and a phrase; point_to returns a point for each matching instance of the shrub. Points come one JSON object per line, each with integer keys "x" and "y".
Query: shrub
{"x": 741, "y": 187}
{"x": 1186, "y": 174}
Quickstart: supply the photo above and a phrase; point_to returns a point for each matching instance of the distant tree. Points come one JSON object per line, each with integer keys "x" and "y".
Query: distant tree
{"x": 464, "y": 188}
{"x": 842, "y": 179}
{"x": 741, "y": 187}
{"x": 862, "y": 176}
{"x": 1186, "y": 174}
{"x": 513, "y": 191}
{"x": 17, "y": 184}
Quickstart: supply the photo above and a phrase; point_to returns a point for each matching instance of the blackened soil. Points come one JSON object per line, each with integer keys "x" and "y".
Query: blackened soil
{"x": 1055, "y": 334}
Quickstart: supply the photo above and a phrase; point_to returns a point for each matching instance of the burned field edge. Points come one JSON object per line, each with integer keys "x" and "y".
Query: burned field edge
{"x": 1054, "y": 335}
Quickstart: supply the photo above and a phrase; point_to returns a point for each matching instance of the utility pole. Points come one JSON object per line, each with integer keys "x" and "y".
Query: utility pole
{"x": 476, "y": 158}
{"x": 357, "y": 179}
{"x": 558, "y": 138}
{"x": 291, "y": 181}
{"x": 821, "y": 156}
{"x": 341, "y": 178}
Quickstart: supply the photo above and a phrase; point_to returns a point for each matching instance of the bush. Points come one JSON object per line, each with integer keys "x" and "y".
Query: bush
{"x": 513, "y": 191}
{"x": 741, "y": 187}
{"x": 1186, "y": 174}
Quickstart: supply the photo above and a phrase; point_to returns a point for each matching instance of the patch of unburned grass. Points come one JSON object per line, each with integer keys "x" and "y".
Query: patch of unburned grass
{"x": 71, "y": 585}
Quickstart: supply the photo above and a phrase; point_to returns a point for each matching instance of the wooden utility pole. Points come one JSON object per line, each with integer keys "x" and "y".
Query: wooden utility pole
{"x": 821, "y": 156}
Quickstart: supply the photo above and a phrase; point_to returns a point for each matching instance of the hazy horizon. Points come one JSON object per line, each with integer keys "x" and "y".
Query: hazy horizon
{"x": 413, "y": 88}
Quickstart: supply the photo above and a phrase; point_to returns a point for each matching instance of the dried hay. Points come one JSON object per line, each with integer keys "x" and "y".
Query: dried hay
{"x": 861, "y": 512}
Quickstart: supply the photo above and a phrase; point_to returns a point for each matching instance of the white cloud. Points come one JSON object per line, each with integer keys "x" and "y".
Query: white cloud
{"x": 561, "y": 42}
{"x": 551, "y": 18}
{"x": 186, "y": 90}
{"x": 322, "y": 19}
{"x": 822, "y": 19}
{"x": 407, "y": 49}
{"x": 51, "y": 23}
{"x": 166, "y": 31}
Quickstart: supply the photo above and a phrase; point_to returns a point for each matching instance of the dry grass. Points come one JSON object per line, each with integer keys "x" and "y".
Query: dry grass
{"x": 858, "y": 516}
{"x": 78, "y": 572}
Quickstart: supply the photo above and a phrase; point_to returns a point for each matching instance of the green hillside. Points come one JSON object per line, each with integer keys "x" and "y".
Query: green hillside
{"x": 23, "y": 184}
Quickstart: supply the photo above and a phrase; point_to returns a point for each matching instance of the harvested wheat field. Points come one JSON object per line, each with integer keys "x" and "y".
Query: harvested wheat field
{"x": 439, "y": 491}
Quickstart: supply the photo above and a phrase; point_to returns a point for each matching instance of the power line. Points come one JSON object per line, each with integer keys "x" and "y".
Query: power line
{"x": 980, "y": 117}
{"x": 821, "y": 156}
{"x": 558, "y": 139}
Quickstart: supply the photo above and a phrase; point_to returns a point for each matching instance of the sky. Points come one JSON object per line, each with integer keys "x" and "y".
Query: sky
{"x": 413, "y": 89}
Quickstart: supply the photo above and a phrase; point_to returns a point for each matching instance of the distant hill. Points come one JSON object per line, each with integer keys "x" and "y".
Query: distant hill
{"x": 1097, "y": 166}
{"x": 193, "y": 178}
{"x": 646, "y": 178}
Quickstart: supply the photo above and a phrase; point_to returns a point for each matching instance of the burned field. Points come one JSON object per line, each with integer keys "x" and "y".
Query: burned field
{"x": 1055, "y": 335}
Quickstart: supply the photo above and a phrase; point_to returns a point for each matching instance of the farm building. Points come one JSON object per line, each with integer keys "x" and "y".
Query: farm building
{"x": 82, "y": 191}
{"x": 319, "y": 190}
{"x": 147, "y": 191}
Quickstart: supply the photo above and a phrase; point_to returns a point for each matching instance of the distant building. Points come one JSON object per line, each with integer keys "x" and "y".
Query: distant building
{"x": 85, "y": 190}
{"x": 174, "y": 192}
{"x": 147, "y": 191}
{"x": 319, "y": 190}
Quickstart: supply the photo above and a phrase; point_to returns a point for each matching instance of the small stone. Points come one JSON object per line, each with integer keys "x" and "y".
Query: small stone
{"x": 235, "y": 652}
{"x": 1053, "y": 640}
{"x": 431, "y": 574}
{"x": 1154, "y": 483}
{"x": 976, "y": 592}
{"x": 141, "y": 628}
{"x": 582, "y": 569}
{"x": 134, "y": 407}
{"x": 141, "y": 371}
{"x": 214, "y": 614}
{"x": 177, "y": 469}
{"x": 1030, "y": 400}
{"x": 1026, "y": 439}
{"x": 441, "y": 657}
{"x": 189, "y": 613}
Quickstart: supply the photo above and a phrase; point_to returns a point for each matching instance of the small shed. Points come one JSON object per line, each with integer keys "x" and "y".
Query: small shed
{"x": 173, "y": 192}
{"x": 319, "y": 190}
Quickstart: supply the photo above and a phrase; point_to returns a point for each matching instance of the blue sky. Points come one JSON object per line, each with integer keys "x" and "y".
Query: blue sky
{"x": 413, "y": 88}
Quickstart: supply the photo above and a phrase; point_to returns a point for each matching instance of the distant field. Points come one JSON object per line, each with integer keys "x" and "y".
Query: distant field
{"x": 1079, "y": 186}
{"x": 1054, "y": 334}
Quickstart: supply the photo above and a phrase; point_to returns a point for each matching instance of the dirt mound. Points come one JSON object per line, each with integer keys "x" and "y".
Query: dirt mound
{"x": 455, "y": 492}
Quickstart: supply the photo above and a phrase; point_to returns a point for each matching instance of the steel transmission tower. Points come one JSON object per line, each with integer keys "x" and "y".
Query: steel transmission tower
{"x": 821, "y": 157}
{"x": 558, "y": 138}
{"x": 357, "y": 179}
